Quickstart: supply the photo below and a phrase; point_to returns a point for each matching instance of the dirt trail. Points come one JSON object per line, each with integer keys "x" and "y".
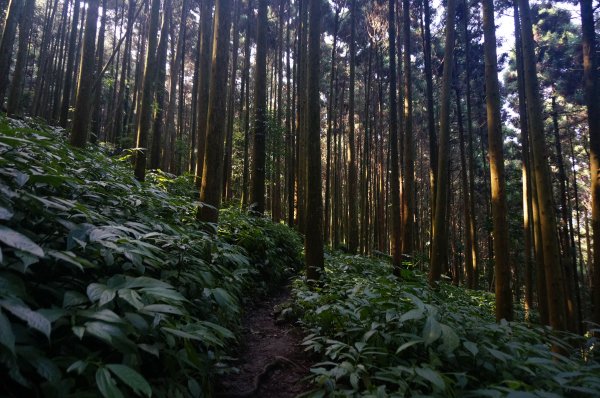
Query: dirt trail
{"x": 272, "y": 361}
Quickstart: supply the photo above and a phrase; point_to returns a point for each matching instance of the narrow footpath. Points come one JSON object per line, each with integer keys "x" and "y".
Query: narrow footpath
{"x": 272, "y": 362}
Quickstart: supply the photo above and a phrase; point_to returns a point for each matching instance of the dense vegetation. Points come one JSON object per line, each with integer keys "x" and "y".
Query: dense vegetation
{"x": 110, "y": 284}
{"x": 381, "y": 336}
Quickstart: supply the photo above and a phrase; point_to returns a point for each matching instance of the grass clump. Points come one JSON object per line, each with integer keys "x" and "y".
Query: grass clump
{"x": 385, "y": 337}
{"x": 110, "y": 286}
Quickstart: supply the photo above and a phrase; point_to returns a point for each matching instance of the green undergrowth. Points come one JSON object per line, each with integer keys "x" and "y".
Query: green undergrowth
{"x": 111, "y": 287}
{"x": 380, "y": 336}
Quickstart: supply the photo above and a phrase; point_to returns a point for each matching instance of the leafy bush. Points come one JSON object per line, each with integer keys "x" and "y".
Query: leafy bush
{"x": 385, "y": 337}
{"x": 110, "y": 285}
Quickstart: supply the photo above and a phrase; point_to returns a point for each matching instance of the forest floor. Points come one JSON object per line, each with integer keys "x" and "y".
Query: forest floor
{"x": 272, "y": 362}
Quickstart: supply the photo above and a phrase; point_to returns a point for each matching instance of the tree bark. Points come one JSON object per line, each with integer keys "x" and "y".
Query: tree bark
{"x": 592, "y": 97}
{"x": 502, "y": 269}
{"x": 314, "y": 200}
{"x": 212, "y": 175}
{"x": 408, "y": 191}
{"x": 352, "y": 175}
{"x": 14, "y": 96}
{"x": 85, "y": 87}
{"x": 6, "y": 44}
{"x": 396, "y": 237}
{"x": 257, "y": 192}
{"x": 148, "y": 89}
{"x": 554, "y": 277}
{"x": 439, "y": 257}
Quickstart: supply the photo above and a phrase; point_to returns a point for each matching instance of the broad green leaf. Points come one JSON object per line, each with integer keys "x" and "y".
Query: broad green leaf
{"x": 67, "y": 257}
{"x": 107, "y": 385}
{"x": 46, "y": 368}
{"x": 162, "y": 308}
{"x": 74, "y": 298}
{"x": 450, "y": 338}
{"x": 224, "y": 299}
{"x": 54, "y": 180}
{"x": 7, "y": 338}
{"x": 163, "y": 293}
{"x": 95, "y": 290}
{"x": 432, "y": 376}
{"x": 498, "y": 354}
{"x": 472, "y": 347}
{"x": 105, "y": 315}
{"x": 19, "y": 241}
{"x": 34, "y": 319}
{"x": 132, "y": 297}
{"x": 5, "y": 214}
{"x": 416, "y": 313}
{"x": 432, "y": 330}
{"x": 77, "y": 366}
{"x": 220, "y": 329}
{"x": 408, "y": 344}
{"x": 132, "y": 378}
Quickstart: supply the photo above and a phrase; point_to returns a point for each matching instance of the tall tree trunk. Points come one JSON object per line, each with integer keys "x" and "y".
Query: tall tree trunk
{"x": 396, "y": 238}
{"x": 592, "y": 97}
{"x": 569, "y": 263}
{"x": 97, "y": 104}
{"x": 330, "y": 117}
{"x": 257, "y": 193}
{"x": 302, "y": 112}
{"x": 66, "y": 97}
{"x": 85, "y": 87}
{"x": 314, "y": 200}
{"x": 227, "y": 167}
{"x": 466, "y": 194}
{"x": 212, "y": 175}
{"x": 554, "y": 277}
{"x": 470, "y": 151}
{"x": 203, "y": 86}
{"x": 14, "y": 96}
{"x": 148, "y": 89}
{"x": 352, "y": 175}
{"x": 499, "y": 209}
{"x": 288, "y": 129}
{"x": 6, "y": 44}
{"x": 526, "y": 169}
{"x": 408, "y": 191}
{"x": 161, "y": 73}
{"x": 439, "y": 257}
{"x": 433, "y": 155}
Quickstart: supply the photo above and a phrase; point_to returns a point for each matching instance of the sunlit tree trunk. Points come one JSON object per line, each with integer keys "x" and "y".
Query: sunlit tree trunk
{"x": 554, "y": 276}
{"x": 203, "y": 85}
{"x": 526, "y": 170}
{"x": 85, "y": 87}
{"x": 499, "y": 210}
{"x": 7, "y": 43}
{"x": 439, "y": 257}
{"x": 212, "y": 176}
{"x": 148, "y": 88}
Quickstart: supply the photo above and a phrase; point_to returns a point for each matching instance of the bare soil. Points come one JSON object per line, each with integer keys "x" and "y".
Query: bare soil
{"x": 272, "y": 362}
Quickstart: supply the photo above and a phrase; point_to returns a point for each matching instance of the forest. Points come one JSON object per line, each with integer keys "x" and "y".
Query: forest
{"x": 299, "y": 198}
